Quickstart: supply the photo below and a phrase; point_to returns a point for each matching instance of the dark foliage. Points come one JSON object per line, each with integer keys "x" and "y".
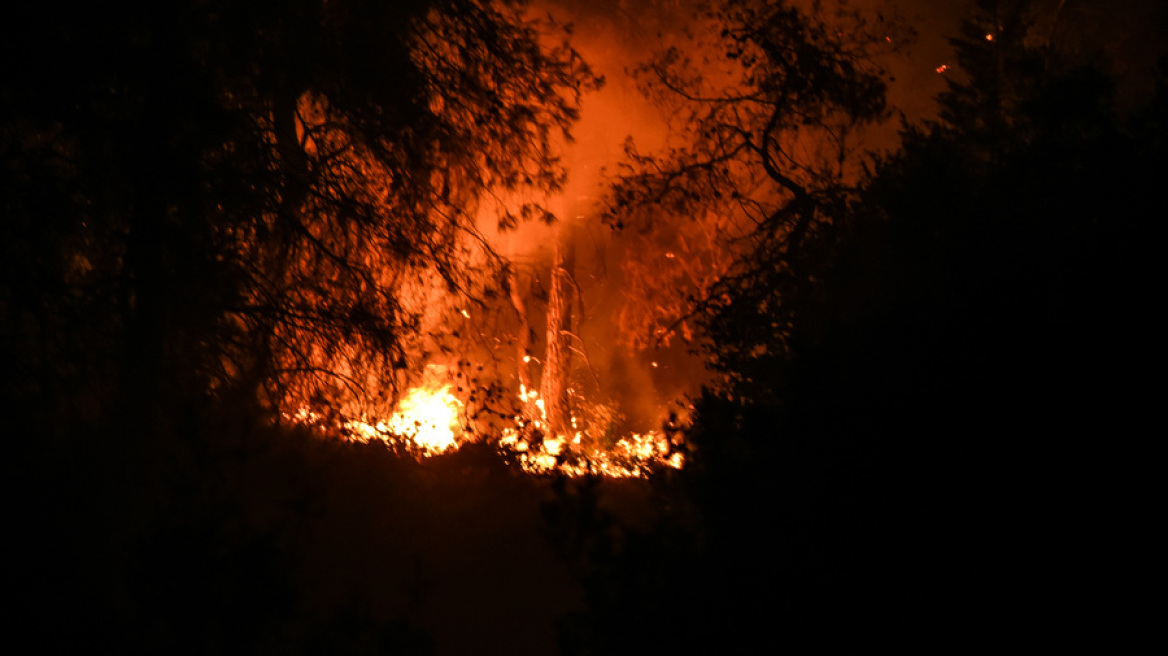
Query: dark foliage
{"x": 765, "y": 107}
{"x": 933, "y": 457}
{"x": 240, "y": 193}
{"x": 208, "y": 209}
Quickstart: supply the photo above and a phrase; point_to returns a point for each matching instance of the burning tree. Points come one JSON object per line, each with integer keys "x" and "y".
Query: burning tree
{"x": 247, "y": 197}
{"x": 487, "y": 99}
{"x": 210, "y": 209}
{"x": 558, "y": 357}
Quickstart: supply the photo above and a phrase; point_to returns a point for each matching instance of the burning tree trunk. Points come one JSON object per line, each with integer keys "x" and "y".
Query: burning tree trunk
{"x": 558, "y": 359}
{"x": 523, "y": 346}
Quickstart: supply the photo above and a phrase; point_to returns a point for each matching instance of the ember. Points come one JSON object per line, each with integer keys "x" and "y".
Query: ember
{"x": 427, "y": 423}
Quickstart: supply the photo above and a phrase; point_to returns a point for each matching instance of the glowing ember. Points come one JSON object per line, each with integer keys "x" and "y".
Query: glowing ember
{"x": 427, "y": 423}
{"x": 580, "y": 454}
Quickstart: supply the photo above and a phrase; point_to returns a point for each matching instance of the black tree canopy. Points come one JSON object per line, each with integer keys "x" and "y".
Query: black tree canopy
{"x": 213, "y": 194}
{"x": 765, "y": 106}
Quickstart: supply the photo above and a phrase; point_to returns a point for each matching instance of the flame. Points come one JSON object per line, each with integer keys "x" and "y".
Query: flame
{"x": 635, "y": 455}
{"x": 427, "y": 423}
{"x": 428, "y": 418}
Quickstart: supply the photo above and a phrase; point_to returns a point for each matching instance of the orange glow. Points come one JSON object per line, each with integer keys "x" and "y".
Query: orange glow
{"x": 428, "y": 418}
{"x": 427, "y": 424}
{"x": 635, "y": 455}
{"x": 942, "y": 68}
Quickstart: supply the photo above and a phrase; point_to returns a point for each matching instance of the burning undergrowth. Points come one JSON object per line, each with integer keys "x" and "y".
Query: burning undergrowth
{"x": 532, "y": 366}
{"x": 431, "y": 419}
{"x": 541, "y": 353}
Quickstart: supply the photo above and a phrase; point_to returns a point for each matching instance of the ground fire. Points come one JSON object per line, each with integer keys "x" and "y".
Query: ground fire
{"x": 430, "y": 421}
{"x": 534, "y": 395}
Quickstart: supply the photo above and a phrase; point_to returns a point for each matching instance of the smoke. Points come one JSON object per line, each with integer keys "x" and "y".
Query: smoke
{"x": 614, "y": 36}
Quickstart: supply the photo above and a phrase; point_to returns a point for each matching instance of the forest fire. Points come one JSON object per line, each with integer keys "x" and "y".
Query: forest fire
{"x": 583, "y": 452}
{"x": 549, "y": 326}
{"x": 428, "y": 422}
{"x": 634, "y": 456}
{"x": 425, "y": 422}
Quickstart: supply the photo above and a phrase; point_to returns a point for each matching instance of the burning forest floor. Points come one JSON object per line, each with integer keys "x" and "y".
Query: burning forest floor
{"x": 430, "y": 420}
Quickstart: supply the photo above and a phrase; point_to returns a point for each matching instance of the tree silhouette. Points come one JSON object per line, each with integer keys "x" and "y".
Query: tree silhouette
{"x": 212, "y": 211}
{"x": 928, "y": 459}
{"x": 764, "y": 107}
{"x": 233, "y": 197}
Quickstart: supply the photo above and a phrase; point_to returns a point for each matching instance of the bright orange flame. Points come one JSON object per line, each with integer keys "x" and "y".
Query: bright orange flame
{"x": 427, "y": 417}
{"x": 427, "y": 423}
{"x": 632, "y": 456}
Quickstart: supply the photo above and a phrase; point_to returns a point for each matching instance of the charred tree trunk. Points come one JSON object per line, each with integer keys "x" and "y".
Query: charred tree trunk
{"x": 523, "y": 345}
{"x": 558, "y": 359}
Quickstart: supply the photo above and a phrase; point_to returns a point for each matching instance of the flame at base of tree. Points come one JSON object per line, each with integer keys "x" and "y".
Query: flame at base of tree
{"x": 429, "y": 422}
{"x": 582, "y": 451}
{"x": 548, "y": 426}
